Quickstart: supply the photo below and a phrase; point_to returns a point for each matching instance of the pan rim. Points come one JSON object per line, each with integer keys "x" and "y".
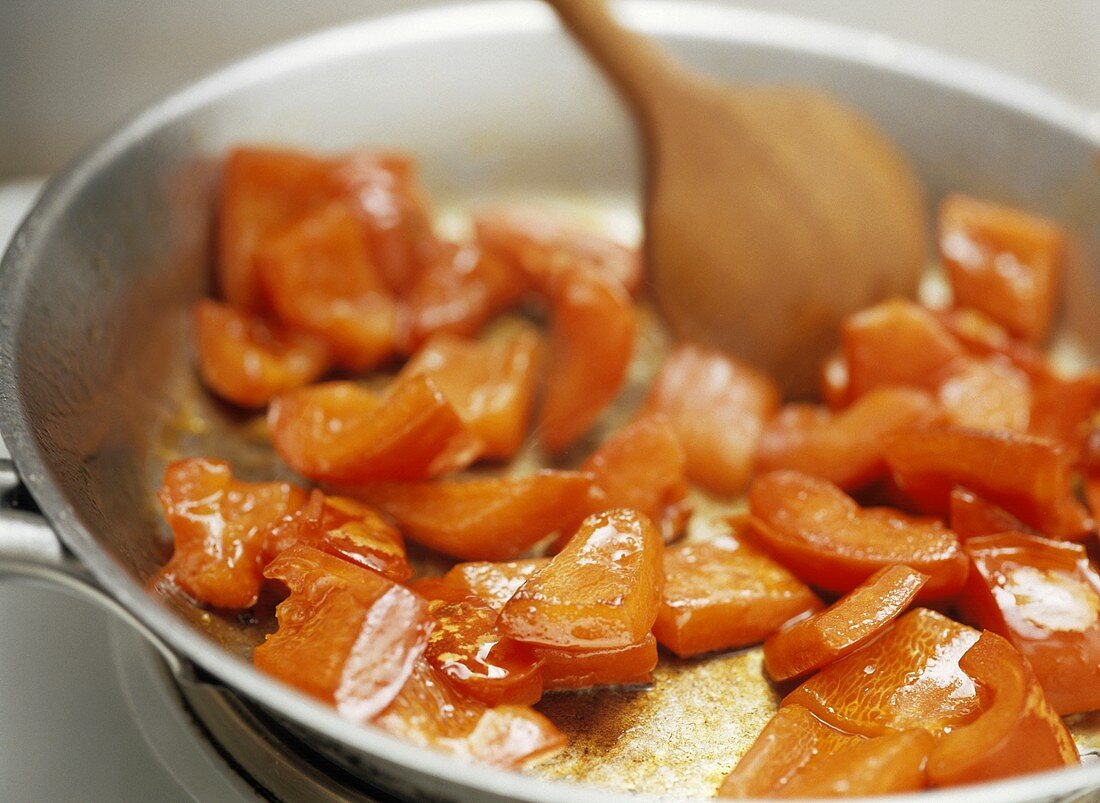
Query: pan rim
{"x": 692, "y": 18}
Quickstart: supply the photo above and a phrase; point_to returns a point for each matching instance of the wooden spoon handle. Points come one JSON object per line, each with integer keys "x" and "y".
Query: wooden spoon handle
{"x": 638, "y": 67}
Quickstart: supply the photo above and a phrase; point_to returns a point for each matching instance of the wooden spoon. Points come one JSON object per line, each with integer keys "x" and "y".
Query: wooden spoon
{"x": 771, "y": 213}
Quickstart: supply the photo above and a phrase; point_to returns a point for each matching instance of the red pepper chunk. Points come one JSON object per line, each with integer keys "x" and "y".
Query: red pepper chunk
{"x": 492, "y": 583}
{"x": 262, "y": 191}
{"x": 896, "y": 343}
{"x": 340, "y": 432}
{"x": 541, "y": 245}
{"x": 1044, "y": 597}
{"x": 842, "y": 628}
{"x": 820, "y": 533}
{"x": 990, "y": 394}
{"x": 319, "y": 278}
{"x": 907, "y": 678}
{"x": 717, "y": 407}
{"x": 458, "y": 292}
{"x": 844, "y": 448}
{"x": 1017, "y": 731}
{"x": 219, "y": 523}
{"x": 723, "y": 594}
{"x": 477, "y": 659}
{"x": 1028, "y": 477}
{"x": 430, "y": 713}
{"x": 248, "y": 360}
{"x": 592, "y": 328}
{"x": 344, "y": 528}
{"x": 971, "y": 516}
{"x": 1003, "y": 262}
{"x": 566, "y": 669}
{"x": 482, "y": 519}
{"x": 601, "y": 591}
{"x": 642, "y": 467}
{"x": 347, "y": 635}
{"x": 491, "y": 384}
{"x": 798, "y": 755}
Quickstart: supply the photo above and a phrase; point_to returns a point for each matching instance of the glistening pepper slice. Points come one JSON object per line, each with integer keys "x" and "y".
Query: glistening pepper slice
{"x": 844, "y": 448}
{"x": 564, "y": 669}
{"x": 498, "y": 518}
{"x": 1044, "y": 597}
{"x": 493, "y": 583}
{"x": 340, "y": 432}
{"x": 722, "y": 594}
{"x": 1016, "y": 733}
{"x": 477, "y": 659}
{"x": 970, "y": 515}
{"x": 601, "y": 591}
{"x": 717, "y": 407}
{"x": 819, "y": 533}
{"x": 491, "y": 384}
{"x": 218, "y": 523}
{"x": 844, "y": 626}
{"x": 248, "y": 360}
{"x": 592, "y": 330}
{"x": 907, "y": 678}
{"x": 347, "y": 635}
{"x": 798, "y": 755}
{"x": 342, "y": 527}
{"x": 430, "y": 713}
{"x": 1029, "y": 477}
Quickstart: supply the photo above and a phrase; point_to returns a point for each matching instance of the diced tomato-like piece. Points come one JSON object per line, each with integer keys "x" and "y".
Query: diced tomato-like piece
{"x": 722, "y": 594}
{"x": 1029, "y": 477}
{"x": 970, "y": 516}
{"x": 601, "y": 591}
{"x": 896, "y": 343}
{"x": 1016, "y": 733}
{"x": 541, "y": 244}
{"x": 344, "y": 528}
{"x": 218, "y": 524}
{"x": 907, "y": 678}
{"x": 341, "y": 432}
{"x": 430, "y": 713}
{"x": 983, "y": 337}
{"x": 642, "y": 467}
{"x": 990, "y": 394}
{"x": 262, "y": 191}
{"x": 477, "y": 659}
{"x": 844, "y": 448}
{"x": 717, "y": 406}
{"x": 844, "y": 626}
{"x": 879, "y": 766}
{"x": 565, "y": 669}
{"x": 1063, "y": 410}
{"x": 458, "y": 292}
{"x": 592, "y": 330}
{"x": 319, "y": 278}
{"x": 390, "y": 206}
{"x": 248, "y": 360}
{"x": 798, "y": 755}
{"x": 497, "y": 518}
{"x": 819, "y": 533}
{"x": 347, "y": 635}
{"x": 493, "y": 583}
{"x": 1044, "y": 597}
{"x": 491, "y": 384}
{"x": 1003, "y": 262}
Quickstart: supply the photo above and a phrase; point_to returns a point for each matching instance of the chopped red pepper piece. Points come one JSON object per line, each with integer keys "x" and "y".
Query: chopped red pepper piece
{"x": 970, "y": 515}
{"x": 565, "y": 669}
{"x": 842, "y": 628}
{"x": 248, "y": 360}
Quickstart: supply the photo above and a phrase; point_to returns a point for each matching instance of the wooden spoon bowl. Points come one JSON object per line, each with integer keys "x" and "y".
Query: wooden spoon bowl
{"x": 771, "y": 213}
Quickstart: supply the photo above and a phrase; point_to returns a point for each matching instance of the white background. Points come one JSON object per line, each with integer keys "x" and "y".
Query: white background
{"x": 70, "y": 70}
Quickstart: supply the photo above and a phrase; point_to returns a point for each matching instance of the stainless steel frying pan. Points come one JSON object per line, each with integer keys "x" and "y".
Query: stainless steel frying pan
{"x": 95, "y": 385}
